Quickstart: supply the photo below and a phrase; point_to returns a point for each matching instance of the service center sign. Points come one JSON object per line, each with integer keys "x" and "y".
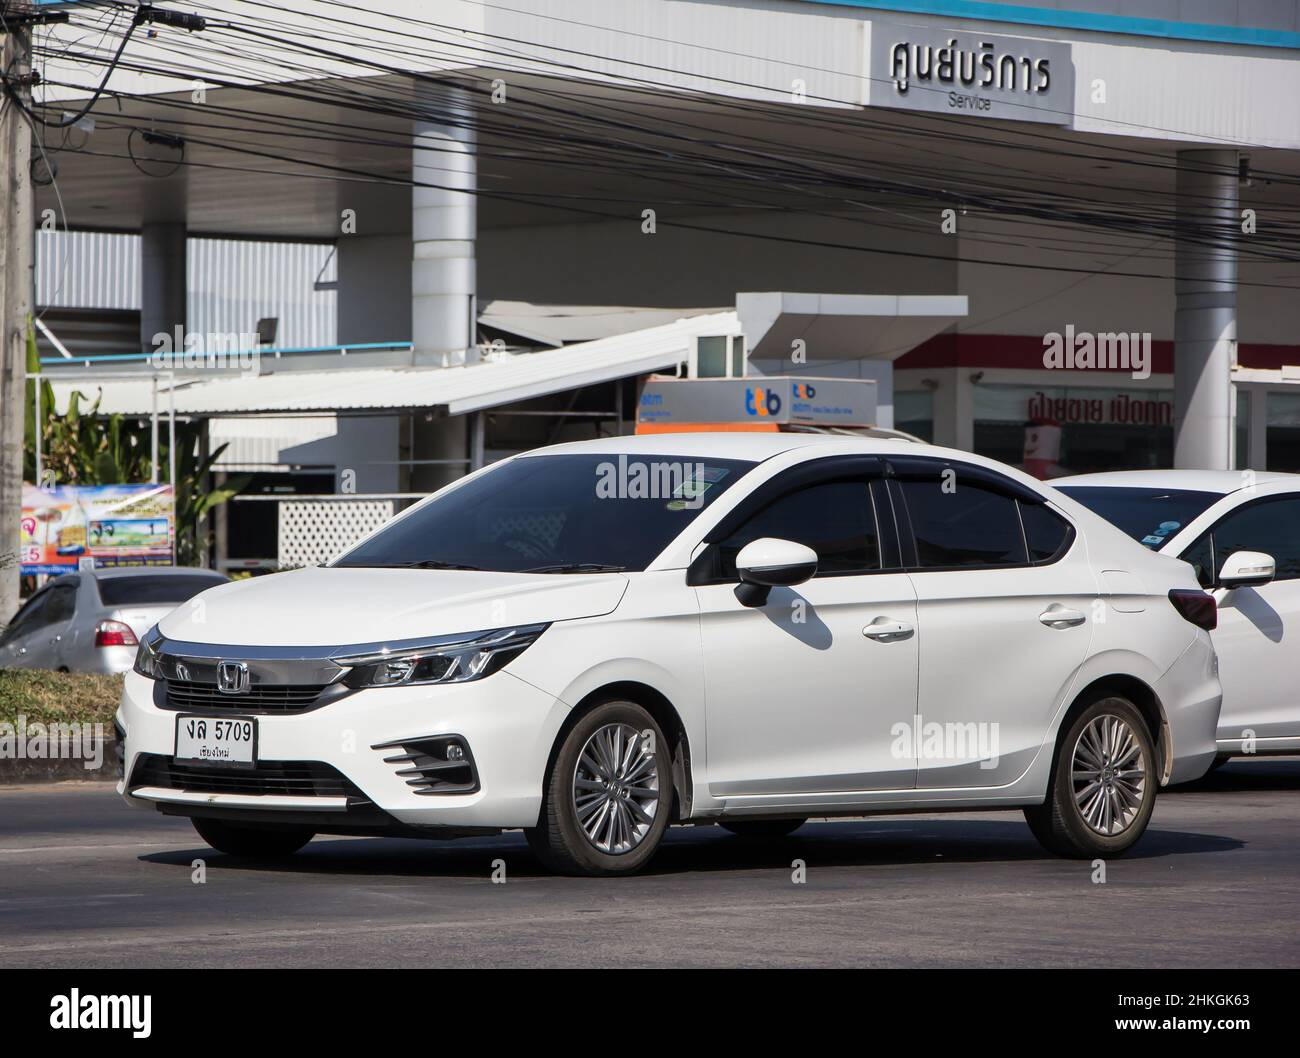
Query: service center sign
{"x": 973, "y": 74}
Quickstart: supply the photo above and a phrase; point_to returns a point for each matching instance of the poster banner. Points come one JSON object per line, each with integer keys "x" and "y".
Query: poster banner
{"x": 117, "y": 525}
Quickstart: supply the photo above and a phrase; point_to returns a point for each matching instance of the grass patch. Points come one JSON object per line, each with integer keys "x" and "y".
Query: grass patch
{"x": 70, "y": 697}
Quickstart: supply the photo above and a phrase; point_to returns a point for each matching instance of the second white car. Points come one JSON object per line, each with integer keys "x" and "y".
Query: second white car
{"x": 1240, "y": 531}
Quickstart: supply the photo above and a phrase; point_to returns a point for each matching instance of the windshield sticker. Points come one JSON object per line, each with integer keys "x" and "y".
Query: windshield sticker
{"x": 700, "y": 481}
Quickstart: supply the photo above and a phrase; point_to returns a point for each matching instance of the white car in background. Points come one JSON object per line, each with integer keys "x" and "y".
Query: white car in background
{"x": 592, "y": 641}
{"x": 1240, "y": 530}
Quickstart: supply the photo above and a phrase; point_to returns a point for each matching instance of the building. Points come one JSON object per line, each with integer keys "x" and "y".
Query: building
{"x": 500, "y": 184}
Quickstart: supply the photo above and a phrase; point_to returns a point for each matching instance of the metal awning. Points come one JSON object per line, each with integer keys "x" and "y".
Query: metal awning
{"x": 456, "y": 389}
{"x": 844, "y": 326}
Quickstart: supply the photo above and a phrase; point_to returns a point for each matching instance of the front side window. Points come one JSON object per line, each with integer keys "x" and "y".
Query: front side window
{"x": 555, "y": 514}
{"x": 963, "y": 525}
{"x": 28, "y": 617}
{"x": 834, "y": 518}
{"x": 1271, "y": 526}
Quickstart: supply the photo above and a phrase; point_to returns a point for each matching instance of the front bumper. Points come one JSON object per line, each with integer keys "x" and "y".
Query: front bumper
{"x": 508, "y": 725}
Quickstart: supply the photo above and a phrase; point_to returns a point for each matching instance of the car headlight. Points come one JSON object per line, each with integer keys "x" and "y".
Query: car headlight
{"x": 446, "y": 659}
{"x": 146, "y": 658}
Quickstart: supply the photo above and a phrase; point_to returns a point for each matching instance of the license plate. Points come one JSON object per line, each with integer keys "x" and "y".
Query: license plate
{"x": 216, "y": 740}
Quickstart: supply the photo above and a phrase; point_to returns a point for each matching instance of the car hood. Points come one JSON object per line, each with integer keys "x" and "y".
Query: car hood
{"x": 322, "y": 606}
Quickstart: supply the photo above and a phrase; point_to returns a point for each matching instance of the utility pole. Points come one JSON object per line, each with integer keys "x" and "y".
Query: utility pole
{"x": 17, "y": 232}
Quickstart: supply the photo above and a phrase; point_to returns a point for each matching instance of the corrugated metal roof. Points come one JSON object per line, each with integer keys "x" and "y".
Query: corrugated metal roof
{"x": 458, "y": 389}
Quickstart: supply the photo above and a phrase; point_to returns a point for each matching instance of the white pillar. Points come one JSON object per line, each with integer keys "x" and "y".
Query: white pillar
{"x": 1205, "y": 318}
{"x": 443, "y": 229}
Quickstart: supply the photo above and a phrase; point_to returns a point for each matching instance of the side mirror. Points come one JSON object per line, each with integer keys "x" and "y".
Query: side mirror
{"x": 767, "y": 563}
{"x": 1246, "y": 569}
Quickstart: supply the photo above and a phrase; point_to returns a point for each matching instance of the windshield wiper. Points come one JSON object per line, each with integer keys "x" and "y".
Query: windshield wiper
{"x": 434, "y": 563}
{"x": 576, "y": 567}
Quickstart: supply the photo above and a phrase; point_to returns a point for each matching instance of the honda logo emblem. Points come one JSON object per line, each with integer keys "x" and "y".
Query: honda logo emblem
{"x": 232, "y": 677}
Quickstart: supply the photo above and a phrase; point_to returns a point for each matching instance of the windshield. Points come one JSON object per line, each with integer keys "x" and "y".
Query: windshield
{"x": 555, "y": 514}
{"x": 1149, "y": 516}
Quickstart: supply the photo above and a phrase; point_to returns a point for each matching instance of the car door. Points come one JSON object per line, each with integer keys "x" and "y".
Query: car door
{"x": 1258, "y": 627}
{"x": 57, "y": 623}
{"x": 803, "y": 700}
{"x": 1005, "y": 605}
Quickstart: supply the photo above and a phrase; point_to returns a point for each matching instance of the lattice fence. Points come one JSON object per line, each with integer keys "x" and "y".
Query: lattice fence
{"x": 315, "y": 531}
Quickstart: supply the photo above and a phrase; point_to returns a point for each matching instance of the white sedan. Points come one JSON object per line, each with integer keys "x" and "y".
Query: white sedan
{"x": 1241, "y": 532}
{"x": 593, "y": 641}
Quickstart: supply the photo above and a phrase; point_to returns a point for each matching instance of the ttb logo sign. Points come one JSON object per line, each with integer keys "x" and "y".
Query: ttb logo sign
{"x": 762, "y": 401}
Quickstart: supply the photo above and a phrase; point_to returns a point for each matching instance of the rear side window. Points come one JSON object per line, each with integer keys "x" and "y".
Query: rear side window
{"x": 963, "y": 525}
{"x": 145, "y": 590}
{"x": 835, "y": 518}
{"x": 1271, "y": 526}
{"x": 1047, "y": 534}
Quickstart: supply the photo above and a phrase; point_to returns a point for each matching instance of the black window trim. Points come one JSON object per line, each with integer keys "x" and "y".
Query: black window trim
{"x": 925, "y": 468}
{"x": 703, "y": 570}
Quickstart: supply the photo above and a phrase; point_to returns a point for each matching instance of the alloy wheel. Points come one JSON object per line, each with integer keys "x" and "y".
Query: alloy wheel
{"x": 616, "y": 788}
{"x": 1108, "y": 774}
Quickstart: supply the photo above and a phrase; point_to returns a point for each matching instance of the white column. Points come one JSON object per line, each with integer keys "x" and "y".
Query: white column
{"x": 1205, "y": 318}
{"x": 443, "y": 229}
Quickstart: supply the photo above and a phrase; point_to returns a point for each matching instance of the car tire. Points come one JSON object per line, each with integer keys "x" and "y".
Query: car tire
{"x": 1103, "y": 783}
{"x": 762, "y": 829}
{"x": 252, "y": 842}
{"x": 606, "y": 804}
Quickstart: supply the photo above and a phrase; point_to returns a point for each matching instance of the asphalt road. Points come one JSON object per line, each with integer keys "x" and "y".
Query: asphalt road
{"x": 87, "y": 882}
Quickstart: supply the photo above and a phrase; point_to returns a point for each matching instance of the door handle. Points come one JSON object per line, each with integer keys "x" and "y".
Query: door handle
{"x": 1057, "y": 616}
{"x": 883, "y": 629}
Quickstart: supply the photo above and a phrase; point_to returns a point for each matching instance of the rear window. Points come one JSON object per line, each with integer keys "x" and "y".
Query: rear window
{"x": 146, "y": 589}
{"x": 1149, "y": 516}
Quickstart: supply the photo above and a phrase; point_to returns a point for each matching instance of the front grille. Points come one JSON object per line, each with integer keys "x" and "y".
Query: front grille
{"x": 264, "y": 697}
{"x": 294, "y": 778}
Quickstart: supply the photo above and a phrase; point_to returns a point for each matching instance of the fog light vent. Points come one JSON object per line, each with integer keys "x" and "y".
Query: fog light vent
{"x": 434, "y": 764}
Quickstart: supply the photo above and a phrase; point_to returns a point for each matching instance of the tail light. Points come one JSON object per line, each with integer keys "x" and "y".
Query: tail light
{"x": 114, "y": 634}
{"x": 1196, "y": 606}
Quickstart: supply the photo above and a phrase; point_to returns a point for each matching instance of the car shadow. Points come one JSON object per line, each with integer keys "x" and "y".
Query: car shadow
{"x": 1243, "y": 774}
{"x": 873, "y": 842}
{"x": 1257, "y": 610}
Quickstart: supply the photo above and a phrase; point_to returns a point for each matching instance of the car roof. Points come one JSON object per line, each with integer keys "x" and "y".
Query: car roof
{"x": 116, "y": 572}
{"x": 731, "y": 445}
{"x": 1220, "y": 482}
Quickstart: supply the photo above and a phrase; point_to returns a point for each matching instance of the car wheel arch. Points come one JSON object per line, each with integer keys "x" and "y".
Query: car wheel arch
{"x": 665, "y": 714}
{"x": 1143, "y": 697}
